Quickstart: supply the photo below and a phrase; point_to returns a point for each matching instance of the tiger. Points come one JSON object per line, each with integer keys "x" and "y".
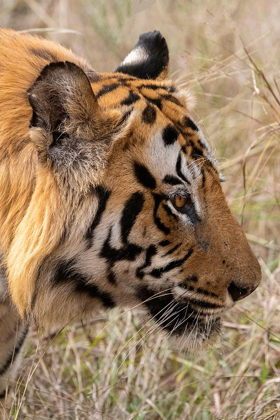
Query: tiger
{"x": 110, "y": 196}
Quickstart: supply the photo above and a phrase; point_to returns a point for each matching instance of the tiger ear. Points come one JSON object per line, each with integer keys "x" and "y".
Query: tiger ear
{"x": 149, "y": 59}
{"x": 67, "y": 124}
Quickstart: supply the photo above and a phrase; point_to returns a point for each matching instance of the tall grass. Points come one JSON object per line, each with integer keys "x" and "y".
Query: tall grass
{"x": 118, "y": 366}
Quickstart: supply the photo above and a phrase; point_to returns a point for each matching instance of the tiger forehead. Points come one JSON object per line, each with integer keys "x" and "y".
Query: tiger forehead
{"x": 117, "y": 90}
{"x": 153, "y": 97}
{"x": 114, "y": 90}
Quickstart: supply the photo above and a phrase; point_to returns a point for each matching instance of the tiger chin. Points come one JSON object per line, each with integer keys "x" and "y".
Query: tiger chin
{"x": 110, "y": 196}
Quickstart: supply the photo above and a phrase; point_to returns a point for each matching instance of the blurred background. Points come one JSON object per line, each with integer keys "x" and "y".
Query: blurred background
{"x": 117, "y": 367}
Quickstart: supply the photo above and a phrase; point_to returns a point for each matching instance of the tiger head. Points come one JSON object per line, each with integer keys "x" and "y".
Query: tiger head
{"x": 144, "y": 221}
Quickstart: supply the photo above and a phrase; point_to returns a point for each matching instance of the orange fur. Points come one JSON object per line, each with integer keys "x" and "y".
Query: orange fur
{"x": 30, "y": 214}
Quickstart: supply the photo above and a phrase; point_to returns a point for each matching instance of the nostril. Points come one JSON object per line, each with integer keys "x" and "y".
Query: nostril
{"x": 239, "y": 292}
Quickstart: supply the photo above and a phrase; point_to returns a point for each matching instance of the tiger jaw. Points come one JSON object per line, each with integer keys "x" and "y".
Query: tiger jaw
{"x": 180, "y": 320}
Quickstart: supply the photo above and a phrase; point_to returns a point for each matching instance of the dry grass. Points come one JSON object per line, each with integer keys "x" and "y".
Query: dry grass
{"x": 117, "y": 367}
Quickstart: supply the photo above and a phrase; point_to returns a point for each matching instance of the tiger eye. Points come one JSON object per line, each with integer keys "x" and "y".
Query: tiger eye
{"x": 180, "y": 200}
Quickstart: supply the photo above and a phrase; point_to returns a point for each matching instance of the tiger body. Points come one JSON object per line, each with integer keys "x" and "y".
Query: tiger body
{"x": 94, "y": 168}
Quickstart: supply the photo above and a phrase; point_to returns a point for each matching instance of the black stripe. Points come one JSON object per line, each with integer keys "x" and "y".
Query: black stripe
{"x": 201, "y": 144}
{"x": 132, "y": 97}
{"x": 172, "y": 180}
{"x": 106, "y": 89}
{"x": 196, "y": 153}
{"x": 151, "y": 251}
{"x": 172, "y": 99}
{"x": 176, "y": 317}
{"x": 188, "y": 122}
{"x": 130, "y": 212}
{"x": 112, "y": 277}
{"x": 124, "y": 118}
{"x": 128, "y": 253}
{"x": 65, "y": 273}
{"x": 203, "y": 177}
{"x": 177, "y": 324}
{"x": 206, "y": 292}
{"x": 94, "y": 292}
{"x": 153, "y": 87}
{"x": 120, "y": 78}
{"x": 156, "y": 102}
{"x": 12, "y": 356}
{"x": 179, "y": 169}
{"x": 204, "y": 304}
{"x": 173, "y": 249}
{"x": 186, "y": 287}
{"x": 144, "y": 176}
{"x": 157, "y": 272}
{"x": 157, "y": 199}
{"x": 164, "y": 243}
{"x": 169, "y": 211}
{"x": 103, "y": 196}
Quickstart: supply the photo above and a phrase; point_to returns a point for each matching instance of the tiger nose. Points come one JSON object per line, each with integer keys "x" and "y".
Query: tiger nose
{"x": 238, "y": 292}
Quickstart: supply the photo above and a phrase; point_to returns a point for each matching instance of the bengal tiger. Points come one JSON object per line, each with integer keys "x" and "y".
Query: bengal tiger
{"x": 109, "y": 195}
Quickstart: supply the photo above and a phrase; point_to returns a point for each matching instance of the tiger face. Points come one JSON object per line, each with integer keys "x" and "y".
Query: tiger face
{"x": 148, "y": 224}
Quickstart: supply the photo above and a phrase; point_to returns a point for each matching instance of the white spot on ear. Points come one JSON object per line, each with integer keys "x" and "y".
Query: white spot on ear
{"x": 138, "y": 55}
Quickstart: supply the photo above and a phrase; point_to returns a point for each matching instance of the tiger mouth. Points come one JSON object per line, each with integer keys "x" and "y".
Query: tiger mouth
{"x": 180, "y": 319}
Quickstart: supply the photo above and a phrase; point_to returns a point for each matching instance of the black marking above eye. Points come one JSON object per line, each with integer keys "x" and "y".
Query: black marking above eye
{"x": 172, "y": 180}
{"x": 144, "y": 176}
{"x": 149, "y": 114}
{"x": 169, "y": 135}
{"x": 130, "y": 212}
